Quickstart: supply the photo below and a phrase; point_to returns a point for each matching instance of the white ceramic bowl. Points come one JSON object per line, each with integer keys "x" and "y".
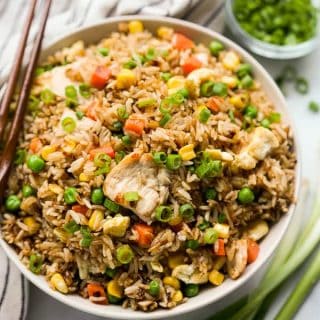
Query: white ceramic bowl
{"x": 210, "y": 295}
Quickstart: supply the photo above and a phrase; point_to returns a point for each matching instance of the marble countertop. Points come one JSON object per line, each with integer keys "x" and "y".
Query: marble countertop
{"x": 41, "y": 306}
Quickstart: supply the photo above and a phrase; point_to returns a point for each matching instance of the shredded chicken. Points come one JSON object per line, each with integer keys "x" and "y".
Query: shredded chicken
{"x": 237, "y": 257}
{"x": 189, "y": 274}
{"x": 138, "y": 173}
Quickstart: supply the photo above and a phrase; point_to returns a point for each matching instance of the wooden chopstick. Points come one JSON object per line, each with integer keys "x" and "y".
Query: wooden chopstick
{"x": 7, "y": 98}
{"x": 10, "y": 146}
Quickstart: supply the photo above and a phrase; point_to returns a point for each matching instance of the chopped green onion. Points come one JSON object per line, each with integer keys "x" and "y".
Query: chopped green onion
{"x": 211, "y": 194}
{"x": 126, "y": 140}
{"x": 231, "y": 115}
{"x": 150, "y": 55}
{"x": 314, "y": 106}
{"x": 111, "y": 205}
{"x": 206, "y": 88}
{"x": 124, "y": 254}
{"x": 86, "y": 237}
{"x": 130, "y": 64}
{"x": 20, "y": 156}
{"x": 103, "y": 51}
{"x": 265, "y": 123}
{"x": 70, "y": 195}
{"x": 154, "y": 288}
{"x": 131, "y": 196}
{"x": 246, "y": 195}
{"x": 174, "y": 161}
{"x": 160, "y": 157}
{"x": 79, "y": 114}
{"x": 142, "y": 103}
{"x": 84, "y": 90}
{"x": 220, "y": 89}
{"x": 210, "y": 236}
{"x": 101, "y": 160}
{"x": 250, "y": 111}
{"x": 111, "y": 273}
{"x": 186, "y": 211}
{"x": 216, "y": 47}
{"x": 165, "y": 76}
{"x": 33, "y": 103}
{"x": 246, "y": 82}
{"x": 191, "y": 290}
{"x": 165, "y": 119}
{"x": 44, "y": 68}
{"x": 243, "y": 70}
{"x": 274, "y": 117}
{"x": 204, "y": 225}
{"x": 35, "y": 263}
{"x": 177, "y": 98}
{"x": 192, "y": 244}
{"x": 71, "y": 227}
{"x": 71, "y": 103}
{"x": 204, "y": 115}
{"x": 184, "y": 92}
{"x": 301, "y": 85}
{"x": 47, "y": 96}
{"x": 71, "y": 92}
{"x": 122, "y": 113}
{"x": 163, "y": 213}
{"x": 209, "y": 169}
{"x": 68, "y": 124}
{"x": 119, "y": 156}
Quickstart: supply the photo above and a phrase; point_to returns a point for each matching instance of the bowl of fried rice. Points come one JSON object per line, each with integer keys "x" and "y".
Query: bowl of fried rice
{"x": 156, "y": 173}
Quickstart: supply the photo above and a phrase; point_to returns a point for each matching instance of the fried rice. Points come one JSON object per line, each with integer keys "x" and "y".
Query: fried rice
{"x": 148, "y": 167}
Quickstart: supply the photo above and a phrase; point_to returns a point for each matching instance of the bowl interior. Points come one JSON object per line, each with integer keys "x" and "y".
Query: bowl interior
{"x": 93, "y": 34}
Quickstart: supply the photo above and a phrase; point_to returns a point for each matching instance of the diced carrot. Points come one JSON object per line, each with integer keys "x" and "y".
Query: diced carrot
{"x": 107, "y": 149}
{"x": 134, "y": 126}
{"x": 218, "y": 248}
{"x": 192, "y": 63}
{"x": 35, "y": 145}
{"x": 181, "y": 42}
{"x": 96, "y": 291}
{"x": 145, "y": 234}
{"x": 214, "y": 103}
{"x": 100, "y": 77}
{"x": 253, "y": 250}
{"x": 80, "y": 209}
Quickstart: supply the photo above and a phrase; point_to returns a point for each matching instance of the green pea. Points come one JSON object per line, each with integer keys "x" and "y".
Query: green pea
{"x": 251, "y": 111}
{"x": 12, "y": 203}
{"x": 265, "y": 123}
{"x": 216, "y": 47}
{"x": 245, "y": 195}
{"x": 191, "y": 290}
{"x": 28, "y": 191}
{"x": 211, "y": 194}
{"x": 246, "y": 82}
{"x": 70, "y": 195}
{"x": 97, "y": 196}
{"x": 192, "y": 244}
{"x": 154, "y": 288}
{"x": 35, "y": 163}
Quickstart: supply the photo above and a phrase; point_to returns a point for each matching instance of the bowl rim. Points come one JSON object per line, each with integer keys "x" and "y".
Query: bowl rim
{"x": 188, "y": 307}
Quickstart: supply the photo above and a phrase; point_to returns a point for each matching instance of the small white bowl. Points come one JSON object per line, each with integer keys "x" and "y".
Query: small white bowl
{"x": 210, "y": 295}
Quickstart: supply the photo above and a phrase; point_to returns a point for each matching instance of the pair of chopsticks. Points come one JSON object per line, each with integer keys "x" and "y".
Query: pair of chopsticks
{"x": 16, "y": 126}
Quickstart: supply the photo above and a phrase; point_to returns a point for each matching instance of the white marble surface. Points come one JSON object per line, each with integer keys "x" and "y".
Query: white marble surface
{"x": 307, "y": 123}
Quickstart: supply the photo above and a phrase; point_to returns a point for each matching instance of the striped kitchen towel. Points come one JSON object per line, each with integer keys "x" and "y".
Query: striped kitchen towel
{"x": 66, "y": 15}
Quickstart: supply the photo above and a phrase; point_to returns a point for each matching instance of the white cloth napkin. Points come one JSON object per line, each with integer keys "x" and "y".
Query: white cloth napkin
{"x": 66, "y": 15}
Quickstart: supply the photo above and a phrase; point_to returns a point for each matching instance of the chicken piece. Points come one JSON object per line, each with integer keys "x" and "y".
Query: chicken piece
{"x": 189, "y": 274}
{"x": 262, "y": 142}
{"x": 237, "y": 257}
{"x": 201, "y": 75}
{"x": 138, "y": 173}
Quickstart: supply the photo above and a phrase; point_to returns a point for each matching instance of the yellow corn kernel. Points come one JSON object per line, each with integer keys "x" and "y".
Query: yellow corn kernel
{"x": 187, "y": 152}
{"x": 175, "y": 220}
{"x": 58, "y": 283}
{"x": 217, "y": 154}
{"x": 172, "y": 281}
{"x": 83, "y": 177}
{"x": 222, "y": 230}
{"x": 125, "y": 79}
{"x": 164, "y": 33}
{"x": 231, "y": 60}
{"x": 216, "y": 277}
{"x": 219, "y": 262}
{"x": 177, "y": 296}
{"x": 231, "y": 82}
{"x": 32, "y": 225}
{"x": 69, "y": 145}
{"x": 239, "y": 100}
{"x": 135, "y": 26}
{"x": 61, "y": 234}
{"x": 45, "y": 151}
{"x": 176, "y": 83}
{"x": 175, "y": 260}
{"x": 114, "y": 289}
{"x": 55, "y": 188}
{"x": 95, "y": 220}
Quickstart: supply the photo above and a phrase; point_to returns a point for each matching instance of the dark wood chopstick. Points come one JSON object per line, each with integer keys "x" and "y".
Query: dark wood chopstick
{"x": 7, "y": 98}
{"x": 10, "y": 146}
